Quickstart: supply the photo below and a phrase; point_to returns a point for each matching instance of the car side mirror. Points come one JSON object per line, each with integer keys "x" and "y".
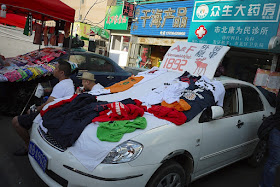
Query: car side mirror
{"x": 217, "y": 112}
{"x": 211, "y": 113}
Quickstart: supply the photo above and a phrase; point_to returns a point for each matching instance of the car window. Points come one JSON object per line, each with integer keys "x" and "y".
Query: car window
{"x": 251, "y": 100}
{"x": 99, "y": 64}
{"x": 230, "y": 102}
{"x": 80, "y": 60}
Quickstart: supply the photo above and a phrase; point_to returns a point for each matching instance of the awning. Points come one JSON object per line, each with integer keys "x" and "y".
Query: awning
{"x": 95, "y": 30}
{"x": 14, "y": 20}
{"x": 41, "y": 9}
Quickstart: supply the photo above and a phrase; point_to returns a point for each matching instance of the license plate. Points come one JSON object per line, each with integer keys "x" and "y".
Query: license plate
{"x": 38, "y": 155}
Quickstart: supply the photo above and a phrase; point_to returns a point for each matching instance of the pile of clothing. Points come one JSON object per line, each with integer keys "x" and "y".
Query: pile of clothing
{"x": 176, "y": 101}
{"x": 91, "y": 125}
{"x": 30, "y": 65}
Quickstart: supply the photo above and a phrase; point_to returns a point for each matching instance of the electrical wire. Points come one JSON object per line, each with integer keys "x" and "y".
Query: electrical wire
{"x": 105, "y": 14}
{"x": 90, "y": 9}
{"x": 141, "y": 5}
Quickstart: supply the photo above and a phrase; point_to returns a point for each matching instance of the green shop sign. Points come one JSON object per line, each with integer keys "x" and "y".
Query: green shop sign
{"x": 103, "y": 33}
{"x": 99, "y": 31}
{"x": 114, "y": 19}
{"x": 95, "y": 29}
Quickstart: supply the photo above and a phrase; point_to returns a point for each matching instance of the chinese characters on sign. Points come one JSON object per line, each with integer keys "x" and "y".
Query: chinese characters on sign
{"x": 251, "y": 10}
{"x": 158, "y": 17}
{"x": 114, "y": 19}
{"x": 196, "y": 58}
{"x": 128, "y": 9}
{"x": 163, "y": 19}
{"x": 249, "y": 24}
{"x": 268, "y": 80}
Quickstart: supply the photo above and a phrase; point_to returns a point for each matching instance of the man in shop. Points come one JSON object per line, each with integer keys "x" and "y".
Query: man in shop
{"x": 66, "y": 39}
{"x": 271, "y": 126}
{"x": 63, "y": 88}
{"x": 88, "y": 82}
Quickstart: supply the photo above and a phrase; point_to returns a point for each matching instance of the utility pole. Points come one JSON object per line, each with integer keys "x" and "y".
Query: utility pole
{"x": 80, "y": 10}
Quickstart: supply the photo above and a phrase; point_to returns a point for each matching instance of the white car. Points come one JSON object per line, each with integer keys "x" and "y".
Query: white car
{"x": 169, "y": 155}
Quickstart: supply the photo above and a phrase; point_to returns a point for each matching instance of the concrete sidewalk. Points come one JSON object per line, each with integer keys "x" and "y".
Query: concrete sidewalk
{"x": 13, "y": 42}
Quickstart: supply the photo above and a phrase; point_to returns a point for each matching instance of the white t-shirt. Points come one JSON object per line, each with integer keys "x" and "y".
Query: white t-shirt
{"x": 216, "y": 87}
{"x": 168, "y": 93}
{"x": 63, "y": 88}
{"x": 98, "y": 89}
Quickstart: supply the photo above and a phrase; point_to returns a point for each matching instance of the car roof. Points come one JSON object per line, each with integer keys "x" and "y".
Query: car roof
{"x": 229, "y": 80}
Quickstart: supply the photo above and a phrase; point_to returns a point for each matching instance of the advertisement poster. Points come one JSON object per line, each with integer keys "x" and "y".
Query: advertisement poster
{"x": 250, "y": 24}
{"x": 82, "y": 29}
{"x": 170, "y": 19}
{"x": 268, "y": 80}
{"x": 197, "y": 59}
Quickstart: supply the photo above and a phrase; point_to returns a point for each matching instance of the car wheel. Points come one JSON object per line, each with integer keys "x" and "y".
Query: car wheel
{"x": 258, "y": 155}
{"x": 170, "y": 174}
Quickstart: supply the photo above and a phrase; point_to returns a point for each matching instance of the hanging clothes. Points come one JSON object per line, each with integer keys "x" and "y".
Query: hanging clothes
{"x": 67, "y": 29}
{"x": 53, "y": 40}
{"x": 38, "y": 34}
{"x": 28, "y": 25}
{"x": 60, "y": 38}
{"x": 59, "y": 25}
{"x": 51, "y": 30}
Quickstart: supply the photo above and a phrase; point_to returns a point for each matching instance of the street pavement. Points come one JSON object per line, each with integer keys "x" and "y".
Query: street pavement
{"x": 17, "y": 171}
{"x": 13, "y": 42}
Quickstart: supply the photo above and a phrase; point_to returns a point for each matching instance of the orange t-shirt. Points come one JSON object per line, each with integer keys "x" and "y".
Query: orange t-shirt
{"x": 182, "y": 105}
{"x": 125, "y": 84}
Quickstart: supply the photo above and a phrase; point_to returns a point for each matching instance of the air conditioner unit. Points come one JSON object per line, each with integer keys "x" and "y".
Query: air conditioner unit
{"x": 135, "y": 19}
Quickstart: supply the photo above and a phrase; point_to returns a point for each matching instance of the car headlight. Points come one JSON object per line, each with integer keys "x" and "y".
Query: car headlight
{"x": 125, "y": 152}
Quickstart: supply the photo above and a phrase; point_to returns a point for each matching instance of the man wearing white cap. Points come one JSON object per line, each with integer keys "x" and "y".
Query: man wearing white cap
{"x": 88, "y": 82}
{"x": 89, "y": 85}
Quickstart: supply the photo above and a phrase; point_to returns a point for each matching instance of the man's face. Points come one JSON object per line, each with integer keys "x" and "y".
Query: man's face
{"x": 57, "y": 72}
{"x": 85, "y": 84}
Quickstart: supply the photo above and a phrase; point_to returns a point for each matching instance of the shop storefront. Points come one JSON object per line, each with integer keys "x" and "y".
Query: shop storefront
{"x": 250, "y": 28}
{"x": 119, "y": 46}
{"x": 98, "y": 40}
{"x": 155, "y": 28}
{"x": 117, "y": 23}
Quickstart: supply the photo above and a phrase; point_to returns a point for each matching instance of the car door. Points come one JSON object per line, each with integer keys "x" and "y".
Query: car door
{"x": 103, "y": 69}
{"x": 221, "y": 138}
{"x": 252, "y": 115}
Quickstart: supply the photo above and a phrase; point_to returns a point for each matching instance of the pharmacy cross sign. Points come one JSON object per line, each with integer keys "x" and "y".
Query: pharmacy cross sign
{"x": 200, "y": 32}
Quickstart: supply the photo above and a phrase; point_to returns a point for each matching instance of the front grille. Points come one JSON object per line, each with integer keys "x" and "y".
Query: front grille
{"x": 57, "y": 178}
{"x": 50, "y": 140}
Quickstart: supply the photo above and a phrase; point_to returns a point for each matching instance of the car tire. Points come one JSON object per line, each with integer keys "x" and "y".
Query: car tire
{"x": 169, "y": 174}
{"x": 258, "y": 155}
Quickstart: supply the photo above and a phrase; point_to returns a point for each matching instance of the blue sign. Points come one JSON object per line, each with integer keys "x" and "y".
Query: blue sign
{"x": 249, "y": 24}
{"x": 163, "y": 19}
